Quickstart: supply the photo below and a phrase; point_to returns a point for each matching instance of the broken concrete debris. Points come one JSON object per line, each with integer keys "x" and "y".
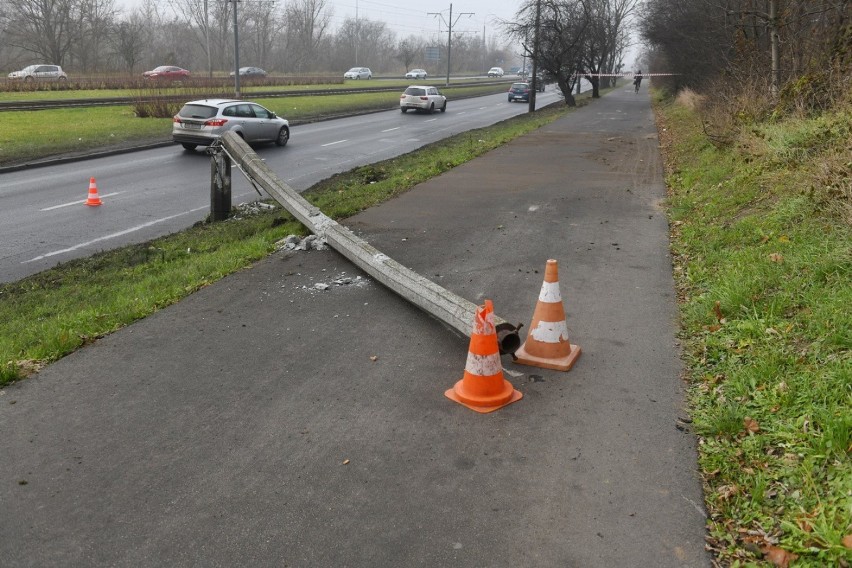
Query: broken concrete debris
{"x": 295, "y": 242}
{"x": 339, "y": 281}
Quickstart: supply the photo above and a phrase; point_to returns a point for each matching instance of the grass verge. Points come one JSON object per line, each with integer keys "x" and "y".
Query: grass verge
{"x": 48, "y": 315}
{"x": 763, "y": 265}
{"x": 31, "y": 135}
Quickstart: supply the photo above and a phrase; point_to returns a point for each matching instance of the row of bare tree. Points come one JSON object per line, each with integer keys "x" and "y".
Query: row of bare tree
{"x": 774, "y": 42}
{"x": 295, "y": 36}
{"x": 573, "y": 39}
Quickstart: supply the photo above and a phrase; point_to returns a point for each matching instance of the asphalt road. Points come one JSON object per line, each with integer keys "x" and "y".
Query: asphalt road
{"x": 263, "y": 422}
{"x": 151, "y": 193}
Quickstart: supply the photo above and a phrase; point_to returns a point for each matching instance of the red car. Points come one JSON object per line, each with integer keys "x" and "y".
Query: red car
{"x": 166, "y": 72}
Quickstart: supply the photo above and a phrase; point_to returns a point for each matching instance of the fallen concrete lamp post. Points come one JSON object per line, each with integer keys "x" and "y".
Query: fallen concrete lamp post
{"x": 439, "y": 302}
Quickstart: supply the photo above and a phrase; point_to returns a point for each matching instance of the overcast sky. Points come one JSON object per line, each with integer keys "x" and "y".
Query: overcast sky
{"x": 408, "y": 18}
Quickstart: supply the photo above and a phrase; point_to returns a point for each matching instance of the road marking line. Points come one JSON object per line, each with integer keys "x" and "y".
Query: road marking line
{"x": 333, "y": 143}
{"x": 432, "y": 119}
{"x": 390, "y": 129}
{"x": 482, "y": 108}
{"x": 77, "y": 202}
{"x": 113, "y": 235}
{"x": 462, "y": 112}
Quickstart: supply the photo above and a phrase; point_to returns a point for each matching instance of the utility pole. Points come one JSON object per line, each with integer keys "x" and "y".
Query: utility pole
{"x": 535, "y": 56}
{"x": 236, "y": 53}
{"x": 450, "y": 23}
{"x": 207, "y": 41}
{"x": 357, "y": 32}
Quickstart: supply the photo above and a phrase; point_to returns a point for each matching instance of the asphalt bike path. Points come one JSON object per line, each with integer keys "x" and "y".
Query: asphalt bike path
{"x": 268, "y": 421}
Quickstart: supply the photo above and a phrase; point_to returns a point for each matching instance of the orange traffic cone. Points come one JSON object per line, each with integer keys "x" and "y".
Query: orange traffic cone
{"x": 93, "y": 200}
{"x": 547, "y": 343}
{"x": 483, "y": 387}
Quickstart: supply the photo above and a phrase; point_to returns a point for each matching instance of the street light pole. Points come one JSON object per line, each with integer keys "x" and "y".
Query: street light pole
{"x": 449, "y": 43}
{"x": 535, "y": 56}
{"x": 236, "y": 54}
{"x": 207, "y": 40}
{"x": 450, "y": 25}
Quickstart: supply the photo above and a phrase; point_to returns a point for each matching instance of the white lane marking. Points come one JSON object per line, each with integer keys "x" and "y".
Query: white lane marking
{"x": 390, "y": 129}
{"x": 432, "y": 119}
{"x": 113, "y": 235}
{"x": 333, "y": 143}
{"x": 79, "y": 202}
{"x": 461, "y": 112}
{"x": 482, "y": 108}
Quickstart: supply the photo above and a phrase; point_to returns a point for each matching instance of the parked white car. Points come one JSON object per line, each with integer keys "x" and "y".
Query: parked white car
{"x": 39, "y": 73}
{"x": 416, "y": 74}
{"x": 358, "y": 73}
{"x": 495, "y": 72}
{"x": 420, "y": 97}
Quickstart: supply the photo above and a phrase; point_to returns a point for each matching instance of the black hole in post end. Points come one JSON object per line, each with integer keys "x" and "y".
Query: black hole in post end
{"x": 507, "y": 338}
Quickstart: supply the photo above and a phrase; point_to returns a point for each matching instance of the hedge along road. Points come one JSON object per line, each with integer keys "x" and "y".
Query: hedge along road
{"x": 42, "y": 103}
{"x": 154, "y": 192}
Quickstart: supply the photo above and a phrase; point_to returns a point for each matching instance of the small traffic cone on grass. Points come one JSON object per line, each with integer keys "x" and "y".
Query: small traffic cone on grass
{"x": 547, "y": 343}
{"x": 93, "y": 200}
{"x": 483, "y": 387}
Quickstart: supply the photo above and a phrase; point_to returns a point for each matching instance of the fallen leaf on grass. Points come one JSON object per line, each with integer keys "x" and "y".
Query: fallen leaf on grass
{"x": 717, "y": 309}
{"x": 779, "y": 556}
{"x": 847, "y": 541}
{"x": 776, "y": 257}
{"x": 751, "y": 425}
{"x": 727, "y": 491}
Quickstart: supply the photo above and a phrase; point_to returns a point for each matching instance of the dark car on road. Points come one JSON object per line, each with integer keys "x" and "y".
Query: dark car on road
{"x": 519, "y": 92}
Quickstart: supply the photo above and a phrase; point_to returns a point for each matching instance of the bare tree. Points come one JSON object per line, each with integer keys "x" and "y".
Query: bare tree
{"x": 605, "y": 39}
{"x": 410, "y": 50}
{"x": 95, "y": 22}
{"x": 261, "y": 29}
{"x": 46, "y": 28}
{"x": 562, "y": 30}
{"x": 374, "y": 43}
{"x": 307, "y": 23}
{"x": 129, "y": 39}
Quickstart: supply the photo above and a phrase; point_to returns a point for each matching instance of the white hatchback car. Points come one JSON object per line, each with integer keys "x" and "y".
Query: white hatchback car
{"x": 495, "y": 72}
{"x": 416, "y": 74}
{"x": 358, "y": 73}
{"x": 39, "y": 73}
{"x": 202, "y": 122}
{"x": 419, "y": 97}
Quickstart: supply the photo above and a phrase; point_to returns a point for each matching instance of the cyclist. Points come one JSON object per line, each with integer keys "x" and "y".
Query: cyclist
{"x": 637, "y": 80}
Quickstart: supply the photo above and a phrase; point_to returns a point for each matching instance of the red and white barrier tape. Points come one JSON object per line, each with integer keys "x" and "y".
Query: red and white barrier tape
{"x": 628, "y": 74}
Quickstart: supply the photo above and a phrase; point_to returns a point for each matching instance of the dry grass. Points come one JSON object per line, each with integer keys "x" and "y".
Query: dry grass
{"x": 690, "y": 99}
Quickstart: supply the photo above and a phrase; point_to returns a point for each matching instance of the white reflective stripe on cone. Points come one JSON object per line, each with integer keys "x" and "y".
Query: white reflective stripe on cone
{"x": 483, "y": 365}
{"x": 550, "y": 293}
{"x": 550, "y": 331}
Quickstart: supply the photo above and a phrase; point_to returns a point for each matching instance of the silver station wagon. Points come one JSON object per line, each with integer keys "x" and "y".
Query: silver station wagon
{"x": 422, "y": 97}
{"x": 200, "y": 123}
